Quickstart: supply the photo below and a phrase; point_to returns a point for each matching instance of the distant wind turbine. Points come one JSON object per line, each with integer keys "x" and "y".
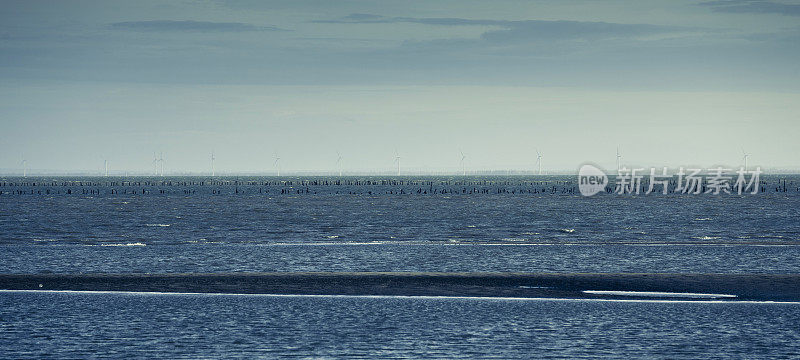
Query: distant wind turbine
{"x": 105, "y": 165}
{"x": 339, "y": 162}
{"x": 744, "y": 157}
{"x": 397, "y": 160}
{"x": 24, "y": 168}
{"x": 155, "y": 164}
{"x": 619, "y": 158}
{"x": 539, "y": 160}
{"x": 463, "y": 167}
{"x": 158, "y": 163}
{"x": 277, "y": 165}
{"x": 213, "y": 171}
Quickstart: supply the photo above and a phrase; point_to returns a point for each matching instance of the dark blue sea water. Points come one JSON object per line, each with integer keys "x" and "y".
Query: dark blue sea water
{"x": 498, "y": 224}
{"x": 58, "y": 325}
{"x": 610, "y": 258}
{"x": 193, "y": 224}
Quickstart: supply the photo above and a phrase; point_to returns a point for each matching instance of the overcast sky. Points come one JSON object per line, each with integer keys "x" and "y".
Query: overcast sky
{"x": 672, "y": 83}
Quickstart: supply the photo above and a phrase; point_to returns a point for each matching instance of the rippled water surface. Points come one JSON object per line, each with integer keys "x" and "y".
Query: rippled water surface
{"x": 401, "y": 257}
{"x": 491, "y": 223}
{"x": 495, "y": 224}
{"x": 51, "y": 325}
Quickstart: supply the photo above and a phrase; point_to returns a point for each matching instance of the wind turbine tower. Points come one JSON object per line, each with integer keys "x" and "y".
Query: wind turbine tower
{"x": 213, "y": 171}
{"x": 744, "y": 157}
{"x": 161, "y": 163}
{"x": 105, "y": 165}
{"x": 24, "y": 168}
{"x": 155, "y": 164}
{"x": 397, "y": 160}
{"x": 277, "y": 165}
{"x": 339, "y": 162}
{"x": 539, "y": 161}
{"x": 463, "y": 167}
{"x": 619, "y": 158}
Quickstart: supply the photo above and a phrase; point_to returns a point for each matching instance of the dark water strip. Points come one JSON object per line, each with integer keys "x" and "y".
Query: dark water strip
{"x": 745, "y": 287}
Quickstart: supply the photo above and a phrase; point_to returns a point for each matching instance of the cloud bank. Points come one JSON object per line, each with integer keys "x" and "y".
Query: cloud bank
{"x": 753, "y": 7}
{"x": 189, "y": 25}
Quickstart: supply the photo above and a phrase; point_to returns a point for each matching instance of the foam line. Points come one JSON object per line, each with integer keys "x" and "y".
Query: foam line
{"x": 658, "y": 294}
{"x": 483, "y": 298}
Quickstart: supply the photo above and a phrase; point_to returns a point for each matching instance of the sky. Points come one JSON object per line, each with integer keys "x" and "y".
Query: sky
{"x": 671, "y": 83}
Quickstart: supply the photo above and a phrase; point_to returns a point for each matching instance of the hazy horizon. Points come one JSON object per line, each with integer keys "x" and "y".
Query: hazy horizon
{"x": 671, "y": 83}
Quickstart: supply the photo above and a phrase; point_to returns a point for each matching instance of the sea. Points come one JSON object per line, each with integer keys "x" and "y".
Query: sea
{"x": 194, "y": 224}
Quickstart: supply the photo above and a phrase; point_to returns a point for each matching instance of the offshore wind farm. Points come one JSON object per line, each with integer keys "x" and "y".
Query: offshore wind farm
{"x": 430, "y": 179}
{"x": 159, "y": 167}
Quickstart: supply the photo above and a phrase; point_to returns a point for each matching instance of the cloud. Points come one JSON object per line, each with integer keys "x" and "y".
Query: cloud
{"x": 525, "y": 30}
{"x": 189, "y": 25}
{"x": 571, "y": 30}
{"x": 372, "y": 19}
{"x": 359, "y": 18}
{"x": 753, "y": 6}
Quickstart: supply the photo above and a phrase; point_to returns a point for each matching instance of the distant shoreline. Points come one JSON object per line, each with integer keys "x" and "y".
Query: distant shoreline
{"x": 736, "y": 287}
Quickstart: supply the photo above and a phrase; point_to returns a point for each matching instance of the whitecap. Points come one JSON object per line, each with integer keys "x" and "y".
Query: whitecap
{"x": 659, "y": 294}
{"x": 125, "y": 244}
{"x": 534, "y": 287}
{"x": 568, "y": 231}
{"x": 514, "y": 239}
{"x": 427, "y": 297}
{"x": 349, "y": 243}
{"x": 770, "y": 236}
{"x": 158, "y": 225}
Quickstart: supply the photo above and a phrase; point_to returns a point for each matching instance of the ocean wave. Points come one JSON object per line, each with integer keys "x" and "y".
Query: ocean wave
{"x": 770, "y": 236}
{"x": 659, "y": 294}
{"x": 410, "y": 297}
